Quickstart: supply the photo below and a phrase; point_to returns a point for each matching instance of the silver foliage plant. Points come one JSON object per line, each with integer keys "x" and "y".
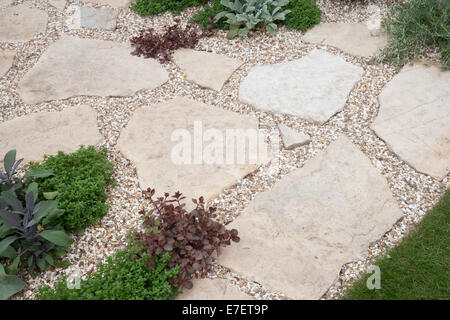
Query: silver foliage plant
{"x": 244, "y": 15}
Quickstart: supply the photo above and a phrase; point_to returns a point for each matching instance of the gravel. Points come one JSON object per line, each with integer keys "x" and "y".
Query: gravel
{"x": 414, "y": 191}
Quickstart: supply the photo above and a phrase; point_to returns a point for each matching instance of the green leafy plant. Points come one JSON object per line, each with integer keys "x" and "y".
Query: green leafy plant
{"x": 151, "y": 7}
{"x": 130, "y": 275}
{"x": 415, "y": 26}
{"x": 205, "y": 16}
{"x": 303, "y": 16}
{"x": 80, "y": 180}
{"x": 190, "y": 238}
{"x": 29, "y": 234}
{"x": 245, "y": 16}
{"x": 8, "y": 180}
{"x": 29, "y": 237}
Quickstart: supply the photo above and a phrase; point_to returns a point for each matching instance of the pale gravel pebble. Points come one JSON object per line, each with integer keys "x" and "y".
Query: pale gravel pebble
{"x": 415, "y": 192}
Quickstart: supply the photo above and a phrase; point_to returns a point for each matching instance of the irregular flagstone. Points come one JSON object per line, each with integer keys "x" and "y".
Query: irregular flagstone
{"x": 292, "y": 138}
{"x": 42, "y": 133}
{"x": 414, "y": 118}
{"x": 213, "y": 289}
{"x": 99, "y": 18}
{"x": 314, "y": 87}
{"x": 354, "y": 38}
{"x": 73, "y": 66}
{"x": 6, "y": 60}
{"x": 111, "y": 3}
{"x": 207, "y": 69}
{"x": 21, "y": 22}
{"x": 153, "y": 141}
{"x": 296, "y": 237}
{"x": 58, "y": 4}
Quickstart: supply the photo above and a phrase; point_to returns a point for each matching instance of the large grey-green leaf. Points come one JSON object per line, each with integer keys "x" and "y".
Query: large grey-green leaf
{"x": 4, "y": 244}
{"x": 9, "y": 252}
{"x": 9, "y": 284}
{"x": 45, "y": 207}
{"x": 33, "y": 187}
{"x": 10, "y": 198}
{"x": 50, "y": 195}
{"x": 38, "y": 173}
{"x": 9, "y": 160}
{"x": 57, "y": 237}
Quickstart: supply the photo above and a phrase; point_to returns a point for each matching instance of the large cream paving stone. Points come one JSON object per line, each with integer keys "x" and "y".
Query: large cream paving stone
{"x": 72, "y": 67}
{"x": 209, "y": 70}
{"x": 37, "y": 134}
{"x": 213, "y": 289}
{"x": 21, "y": 22}
{"x": 296, "y": 237}
{"x": 414, "y": 118}
{"x": 354, "y": 38}
{"x": 154, "y": 137}
{"x": 6, "y": 60}
{"x": 111, "y": 3}
{"x": 314, "y": 87}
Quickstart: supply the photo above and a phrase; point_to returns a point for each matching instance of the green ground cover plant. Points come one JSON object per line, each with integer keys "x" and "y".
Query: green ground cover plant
{"x": 303, "y": 15}
{"x": 415, "y": 26}
{"x": 129, "y": 275}
{"x": 151, "y": 7}
{"x": 419, "y": 267}
{"x": 79, "y": 183}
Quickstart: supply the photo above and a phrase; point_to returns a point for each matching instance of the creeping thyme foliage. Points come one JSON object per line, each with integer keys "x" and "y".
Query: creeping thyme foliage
{"x": 80, "y": 179}
{"x": 129, "y": 275}
{"x": 151, "y": 7}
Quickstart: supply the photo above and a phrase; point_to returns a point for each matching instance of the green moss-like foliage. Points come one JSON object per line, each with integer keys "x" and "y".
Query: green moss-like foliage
{"x": 80, "y": 178}
{"x": 305, "y": 15}
{"x": 129, "y": 275}
{"x": 151, "y": 7}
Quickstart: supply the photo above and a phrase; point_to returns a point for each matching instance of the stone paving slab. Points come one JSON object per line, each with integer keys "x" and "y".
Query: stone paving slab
{"x": 213, "y": 289}
{"x": 58, "y": 4}
{"x": 148, "y": 142}
{"x": 354, "y": 38}
{"x": 21, "y": 22}
{"x": 6, "y": 60}
{"x": 42, "y": 133}
{"x": 314, "y": 87}
{"x": 414, "y": 118}
{"x": 292, "y": 138}
{"x": 296, "y": 237}
{"x": 72, "y": 67}
{"x": 95, "y": 18}
{"x": 207, "y": 69}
